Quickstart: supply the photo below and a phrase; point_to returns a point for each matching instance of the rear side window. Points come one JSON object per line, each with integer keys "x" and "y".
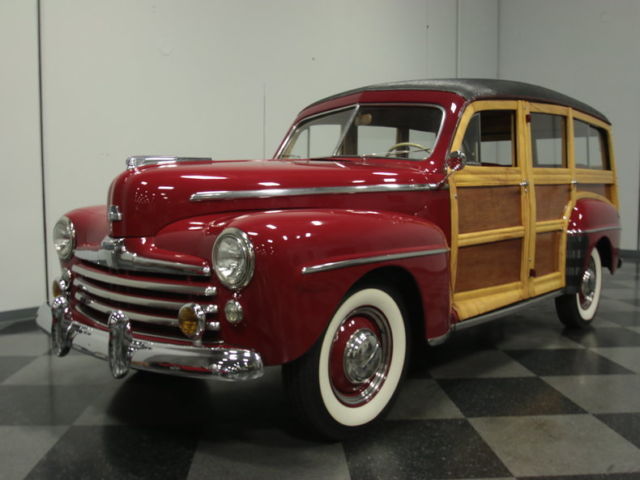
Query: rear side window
{"x": 490, "y": 139}
{"x": 590, "y": 146}
{"x": 549, "y": 145}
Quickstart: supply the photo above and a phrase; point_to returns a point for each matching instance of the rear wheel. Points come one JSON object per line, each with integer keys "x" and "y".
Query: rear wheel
{"x": 351, "y": 375}
{"x": 578, "y": 310}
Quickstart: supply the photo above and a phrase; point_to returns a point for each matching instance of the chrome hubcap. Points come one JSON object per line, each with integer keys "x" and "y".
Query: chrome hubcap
{"x": 588, "y": 286}
{"x": 362, "y": 356}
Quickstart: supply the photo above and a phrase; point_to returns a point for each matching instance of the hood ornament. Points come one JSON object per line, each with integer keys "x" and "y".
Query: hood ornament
{"x": 114, "y": 214}
{"x": 142, "y": 160}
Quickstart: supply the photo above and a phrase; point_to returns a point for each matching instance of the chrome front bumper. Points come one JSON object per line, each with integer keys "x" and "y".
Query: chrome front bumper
{"x": 122, "y": 351}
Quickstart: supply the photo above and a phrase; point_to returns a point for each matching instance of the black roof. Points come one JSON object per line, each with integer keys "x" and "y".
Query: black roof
{"x": 479, "y": 88}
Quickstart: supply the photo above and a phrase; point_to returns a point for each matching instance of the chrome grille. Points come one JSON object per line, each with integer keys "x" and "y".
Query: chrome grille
{"x": 150, "y": 301}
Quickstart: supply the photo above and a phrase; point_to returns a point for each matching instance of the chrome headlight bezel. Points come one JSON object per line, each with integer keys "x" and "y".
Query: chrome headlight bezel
{"x": 64, "y": 238}
{"x": 233, "y": 244}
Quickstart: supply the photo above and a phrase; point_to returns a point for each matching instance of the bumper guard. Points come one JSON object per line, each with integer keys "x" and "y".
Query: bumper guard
{"x": 122, "y": 350}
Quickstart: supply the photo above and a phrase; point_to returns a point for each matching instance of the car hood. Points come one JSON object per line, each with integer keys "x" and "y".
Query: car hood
{"x": 151, "y": 197}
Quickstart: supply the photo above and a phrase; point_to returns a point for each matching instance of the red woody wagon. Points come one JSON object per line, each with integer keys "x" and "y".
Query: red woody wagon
{"x": 390, "y": 216}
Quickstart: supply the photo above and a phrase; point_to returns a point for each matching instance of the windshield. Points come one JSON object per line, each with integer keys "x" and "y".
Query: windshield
{"x": 392, "y": 131}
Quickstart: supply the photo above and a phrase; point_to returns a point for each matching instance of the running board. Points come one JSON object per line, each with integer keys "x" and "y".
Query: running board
{"x": 490, "y": 316}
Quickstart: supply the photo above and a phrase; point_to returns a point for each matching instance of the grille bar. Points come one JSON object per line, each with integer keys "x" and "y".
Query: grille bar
{"x": 139, "y": 317}
{"x": 136, "y": 316}
{"x": 120, "y": 297}
{"x": 155, "y": 285}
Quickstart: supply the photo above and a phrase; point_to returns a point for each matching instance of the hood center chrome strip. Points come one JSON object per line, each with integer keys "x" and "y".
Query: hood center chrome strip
{"x": 294, "y": 192}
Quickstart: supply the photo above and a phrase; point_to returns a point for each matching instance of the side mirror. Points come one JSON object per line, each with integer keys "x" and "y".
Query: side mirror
{"x": 455, "y": 162}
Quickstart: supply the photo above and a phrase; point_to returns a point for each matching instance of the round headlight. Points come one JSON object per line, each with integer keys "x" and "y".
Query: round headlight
{"x": 64, "y": 238}
{"x": 233, "y": 258}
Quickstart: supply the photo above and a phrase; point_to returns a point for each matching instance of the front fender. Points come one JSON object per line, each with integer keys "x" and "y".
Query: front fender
{"x": 307, "y": 260}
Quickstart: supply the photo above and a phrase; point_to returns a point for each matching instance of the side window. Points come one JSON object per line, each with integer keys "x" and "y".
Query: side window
{"x": 548, "y": 140}
{"x": 490, "y": 139}
{"x": 590, "y": 146}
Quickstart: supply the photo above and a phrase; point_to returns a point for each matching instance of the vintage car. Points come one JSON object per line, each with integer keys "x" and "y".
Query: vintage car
{"x": 390, "y": 216}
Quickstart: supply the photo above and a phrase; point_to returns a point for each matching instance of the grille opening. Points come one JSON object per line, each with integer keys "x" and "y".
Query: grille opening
{"x": 150, "y": 300}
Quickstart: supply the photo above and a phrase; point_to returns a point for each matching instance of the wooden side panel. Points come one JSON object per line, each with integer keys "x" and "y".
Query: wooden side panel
{"x": 547, "y": 253}
{"x": 490, "y": 264}
{"x": 487, "y": 208}
{"x": 551, "y": 201}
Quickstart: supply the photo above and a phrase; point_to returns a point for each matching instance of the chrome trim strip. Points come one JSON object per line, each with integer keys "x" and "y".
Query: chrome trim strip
{"x": 119, "y": 297}
{"x": 114, "y": 254}
{"x": 208, "y": 290}
{"x": 294, "y": 192}
{"x": 487, "y": 317}
{"x": 140, "y": 160}
{"x": 593, "y": 230}
{"x": 323, "y": 267}
{"x": 219, "y": 363}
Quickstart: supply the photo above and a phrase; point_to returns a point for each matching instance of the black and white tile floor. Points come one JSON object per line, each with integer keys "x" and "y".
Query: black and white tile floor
{"x": 518, "y": 398}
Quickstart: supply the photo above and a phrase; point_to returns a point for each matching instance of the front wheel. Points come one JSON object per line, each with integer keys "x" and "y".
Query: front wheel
{"x": 578, "y": 310}
{"x": 351, "y": 375}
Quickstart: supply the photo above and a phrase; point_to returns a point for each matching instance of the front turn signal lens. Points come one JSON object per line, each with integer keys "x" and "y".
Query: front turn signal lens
{"x": 192, "y": 321}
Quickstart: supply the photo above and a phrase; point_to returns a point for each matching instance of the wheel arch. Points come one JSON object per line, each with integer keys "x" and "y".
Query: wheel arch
{"x": 404, "y": 284}
{"x": 605, "y": 249}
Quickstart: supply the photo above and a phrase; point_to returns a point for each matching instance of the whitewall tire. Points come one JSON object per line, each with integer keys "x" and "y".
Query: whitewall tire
{"x": 350, "y": 377}
{"x": 579, "y": 309}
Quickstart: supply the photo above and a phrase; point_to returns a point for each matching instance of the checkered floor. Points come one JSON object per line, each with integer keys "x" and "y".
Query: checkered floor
{"x": 518, "y": 398}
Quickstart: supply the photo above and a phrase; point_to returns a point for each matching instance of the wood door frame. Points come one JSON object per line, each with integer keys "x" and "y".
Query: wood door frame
{"x": 475, "y": 302}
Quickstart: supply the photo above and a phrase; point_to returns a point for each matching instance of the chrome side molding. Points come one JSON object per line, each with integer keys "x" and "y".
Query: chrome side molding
{"x": 323, "y": 267}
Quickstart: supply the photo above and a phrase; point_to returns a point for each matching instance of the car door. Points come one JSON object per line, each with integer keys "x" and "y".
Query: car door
{"x": 551, "y": 185}
{"x": 491, "y": 209}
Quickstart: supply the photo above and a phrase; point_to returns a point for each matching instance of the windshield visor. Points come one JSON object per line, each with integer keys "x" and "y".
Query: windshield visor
{"x": 392, "y": 131}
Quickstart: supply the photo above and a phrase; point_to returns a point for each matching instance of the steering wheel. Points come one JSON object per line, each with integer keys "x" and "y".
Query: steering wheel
{"x": 408, "y": 147}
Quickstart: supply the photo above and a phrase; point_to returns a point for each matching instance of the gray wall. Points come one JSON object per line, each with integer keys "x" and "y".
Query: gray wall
{"x": 219, "y": 78}
{"x": 22, "y": 266}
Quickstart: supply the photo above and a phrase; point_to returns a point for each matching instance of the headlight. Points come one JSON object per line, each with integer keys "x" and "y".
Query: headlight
{"x": 233, "y": 258}
{"x": 64, "y": 238}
